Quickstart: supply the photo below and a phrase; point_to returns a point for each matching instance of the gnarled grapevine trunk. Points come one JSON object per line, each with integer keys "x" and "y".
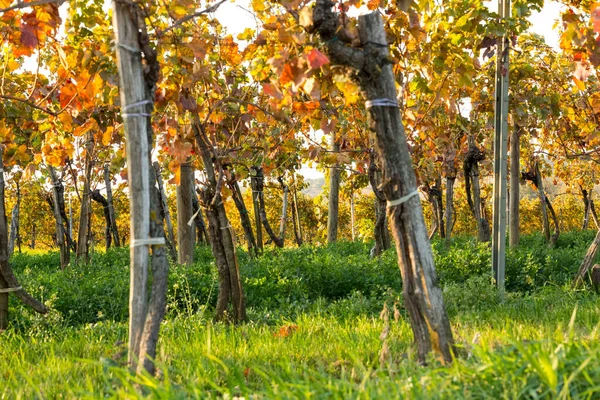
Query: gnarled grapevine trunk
{"x": 221, "y": 232}
{"x": 8, "y": 281}
{"x": 58, "y": 209}
{"x": 85, "y": 210}
{"x": 296, "y": 215}
{"x": 422, "y": 295}
{"x": 238, "y": 199}
{"x": 256, "y": 194}
{"x": 111, "y": 207}
{"x": 185, "y": 232}
{"x": 535, "y": 177}
{"x": 382, "y": 239}
{"x": 164, "y": 211}
{"x": 449, "y": 214}
{"x": 284, "y": 206}
{"x": 471, "y": 172}
{"x": 14, "y": 225}
{"x": 515, "y": 188}
{"x": 98, "y": 198}
{"x": 201, "y": 233}
{"x": 259, "y": 185}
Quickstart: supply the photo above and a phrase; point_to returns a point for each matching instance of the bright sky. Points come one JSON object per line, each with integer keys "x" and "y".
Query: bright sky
{"x": 236, "y": 17}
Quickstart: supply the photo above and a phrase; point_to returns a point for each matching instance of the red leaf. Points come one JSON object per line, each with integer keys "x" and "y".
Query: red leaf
{"x": 596, "y": 17}
{"x": 28, "y": 36}
{"x": 316, "y": 59}
{"x": 272, "y": 91}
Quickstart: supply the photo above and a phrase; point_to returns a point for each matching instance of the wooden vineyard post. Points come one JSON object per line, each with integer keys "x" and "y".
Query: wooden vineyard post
{"x": 500, "y": 154}
{"x": 422, "y": 295}
{"x": 133, "y": 99}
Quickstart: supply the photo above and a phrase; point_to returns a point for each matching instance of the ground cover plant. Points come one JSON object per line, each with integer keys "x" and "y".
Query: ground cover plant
{"x": 316, "y": 328}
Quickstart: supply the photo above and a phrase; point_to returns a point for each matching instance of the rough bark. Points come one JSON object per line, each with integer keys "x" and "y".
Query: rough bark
{"x": 259, "y": 184}
{"x": 284, "y": 207}
{"x": 535, "y": 177}
{"x": 514, "y": 180}
{"x": 254, "y": 171}
{"x": 472, "y": 187}
{"x": 185, "y": 232}
{"x": 439, "y": 206}
{"x": 587, "y": 262}
{"x": 98, "y": 198}
{"x": 334, "y": 197}
{"x": 556, "y": 233}
{"x": 296, "y": 215}
{"x": 111, "y": 207}
{"x": 8, "y": 281}
{"x": 132, "y": 91}
{"x": 61, "y": 232}
{"x": 32, "y": 245}
{"x": 382, "y": 239}
{"x": 164, "y": 211}
{"x": 238, "y": 199}
{"x": 85, "y": 210}
{"x": 449, "y": 214}
{"x": 221, "y": 232}
{"x": 422, "y": 295}
{"x": 586, "y": 208}
{"x": 593, "y": 212}
{"x": 157, "y": 303}
{"x": 352, "y": 215}
{"x": 14, "y": 225}
{"x": 542, "y": 196}
{"x": 201, "y": 233}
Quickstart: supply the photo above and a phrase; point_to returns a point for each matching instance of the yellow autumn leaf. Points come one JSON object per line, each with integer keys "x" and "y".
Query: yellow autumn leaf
{"x": 85, "y": 127}
{"x": 107, "y": 135}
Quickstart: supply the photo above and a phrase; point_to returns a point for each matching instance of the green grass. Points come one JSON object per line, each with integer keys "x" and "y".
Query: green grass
{"x": 540, "y": 341}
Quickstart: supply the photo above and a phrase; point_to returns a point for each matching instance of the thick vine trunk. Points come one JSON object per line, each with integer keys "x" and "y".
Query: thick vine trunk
{"x": 471, "y": 173}
{"x": 8, "y": 281}
{"x": 284, "y": 207}
{"x": 296, "y": 215}
{"x": 593, "y": 212}
{"x": 221, "y": 232}
{"x": 111, "y": 207}
{"x": 164, "y": 211}
{"x": 85, "y": 210}
{"x": 422, "y": 295}
{"x": 61, "y": 232}
{"x": 540, "y": 187}
{"x": 587, "y": 262}
{"x": 449, "y": 214}
{"x": 14, "y": 225}
{"x": 97, "y": 197}
{"x": 238, "y": 199}
{"x": 334, "y": 196}
{"x": 586, "y": 208}
{"x": 185, "y": 232}
{"x": 515, "y": 188}
{"x": 201, "y": 233}
{"x": 259, "y": 184}
{"x": 556, "y": 233}
{"x": 32, "y": 245}
{"x": 352, "y": 216}
{"x": 254, "y": 171}
{"x": 382, "y": 238}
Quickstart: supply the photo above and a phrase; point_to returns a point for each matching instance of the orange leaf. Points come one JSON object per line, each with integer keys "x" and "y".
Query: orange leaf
{"x": 285, "y": 331}
{"x": 316, "y": 59}
{"x": 595, "y": 11}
